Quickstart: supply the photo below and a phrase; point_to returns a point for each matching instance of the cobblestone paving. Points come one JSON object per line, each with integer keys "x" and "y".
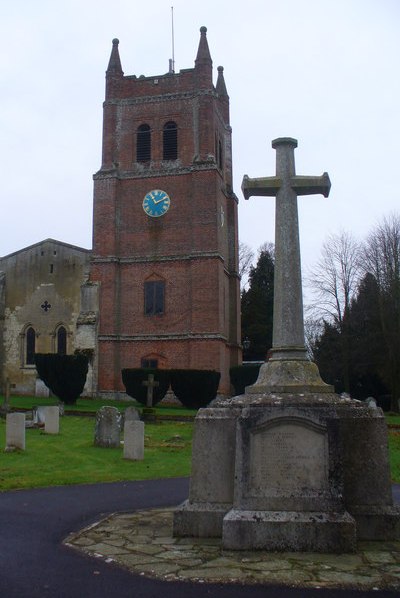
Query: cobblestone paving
{"x": 142, "y": 542}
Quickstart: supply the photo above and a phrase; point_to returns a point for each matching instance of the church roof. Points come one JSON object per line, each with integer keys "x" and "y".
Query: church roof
{"x": 47, "y": 242}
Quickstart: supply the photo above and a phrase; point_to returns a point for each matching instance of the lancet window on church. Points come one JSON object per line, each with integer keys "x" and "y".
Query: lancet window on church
{"x": 170, "y": 141}
{"x": 154, "y": 297}
{"x": 30, "y": 343}
{"x": 143, "y": 144}
{"x": 61, "y": 341}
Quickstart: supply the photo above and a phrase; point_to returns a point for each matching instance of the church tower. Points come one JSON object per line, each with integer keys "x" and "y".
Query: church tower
{"x": 165, "y": 244}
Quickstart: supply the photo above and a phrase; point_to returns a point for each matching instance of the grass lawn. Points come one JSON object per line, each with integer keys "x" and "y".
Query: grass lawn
{"x": 72, "y": 458}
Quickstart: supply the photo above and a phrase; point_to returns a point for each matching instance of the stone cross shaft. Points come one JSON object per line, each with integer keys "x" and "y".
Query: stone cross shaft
{"x": 151, "y": 385}
{"x": 288, "y": 324}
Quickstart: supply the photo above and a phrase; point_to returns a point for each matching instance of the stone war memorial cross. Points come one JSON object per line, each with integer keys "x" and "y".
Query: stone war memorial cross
{"x": 306, "y": 470}
{"x": 289, "y": 364}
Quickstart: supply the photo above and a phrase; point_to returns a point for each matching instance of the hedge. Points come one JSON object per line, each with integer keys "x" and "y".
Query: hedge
{"x": 195, "y": 388}
{"x": 64, "y": 375}
{"x": 242, "y": 376}
{"x": 133, "y": 379}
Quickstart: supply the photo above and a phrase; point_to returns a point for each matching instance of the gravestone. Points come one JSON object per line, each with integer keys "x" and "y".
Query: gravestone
{"x": 151, "y": 385}
{"x": 15, "y": 431}
{"x": 134, "y": 440}
{"x": 371, "y": 402}
{"x": 52, "y": 420}
{"x": 41, "y": 390}
{"x": 131, "y": 414}
{"x": 5, "y": 407}
{"x": 39, "y": 415}
{"x": 289, "y": 465}
{"x": 107, "y": 427}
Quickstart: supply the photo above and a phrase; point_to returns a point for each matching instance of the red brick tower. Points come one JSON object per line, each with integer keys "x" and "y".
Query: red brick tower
{"x": 165, "y": 246}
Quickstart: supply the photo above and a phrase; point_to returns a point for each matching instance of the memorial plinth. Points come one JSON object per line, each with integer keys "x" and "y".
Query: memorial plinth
{"x": 289, "y": 465}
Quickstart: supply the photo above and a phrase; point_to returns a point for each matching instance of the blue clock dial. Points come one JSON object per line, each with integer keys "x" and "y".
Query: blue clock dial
{"x": 156, "y": 203}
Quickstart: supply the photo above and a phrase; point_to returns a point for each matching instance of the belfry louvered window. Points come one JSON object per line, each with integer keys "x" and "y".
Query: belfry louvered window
{"x": 170, "y": 141}
{"x": 143, "y": 144}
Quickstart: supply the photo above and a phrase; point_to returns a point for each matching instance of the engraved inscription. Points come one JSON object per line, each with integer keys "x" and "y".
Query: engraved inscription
{"x": 288, "y": 458}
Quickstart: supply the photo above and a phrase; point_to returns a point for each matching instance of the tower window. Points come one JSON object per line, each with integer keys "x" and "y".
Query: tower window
{"x": 143, "y": 144}
{"x": 154, "y": 297}
{"x": 61, "y": 341}
{"x": 170, "y": 141}
{"x": 30, "y": 342}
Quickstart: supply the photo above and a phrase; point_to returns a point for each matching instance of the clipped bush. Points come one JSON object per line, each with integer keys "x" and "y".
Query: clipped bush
{"x": 195, "y": 388}
{"x": 64, "y": 375}
{"x": 243, "y": 375}
{"x": 133, "y": 379}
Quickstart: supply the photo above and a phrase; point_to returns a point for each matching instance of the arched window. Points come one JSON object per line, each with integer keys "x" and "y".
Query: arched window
{"x": 143, "y": 144}
{"x": 170, "y": 141}
{"x": 30, "y": 341}
{"x": 61, "y": 341}
{"x": 154, "y": 297}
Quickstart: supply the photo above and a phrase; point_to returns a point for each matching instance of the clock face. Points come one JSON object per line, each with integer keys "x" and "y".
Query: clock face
{"x": 156, "y": 203}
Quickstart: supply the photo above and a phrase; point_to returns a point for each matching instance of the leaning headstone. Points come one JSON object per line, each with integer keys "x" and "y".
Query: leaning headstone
{"x": 134, "y": 440}
{"x": 15, "y": 431}
{"x": 52, "y": 420}
{"x": 107, "y": 428}
{"x": 371, "y": 402}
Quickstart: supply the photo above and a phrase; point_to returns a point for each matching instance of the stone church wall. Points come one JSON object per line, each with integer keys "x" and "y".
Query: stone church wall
{"x": 39, "y": 291}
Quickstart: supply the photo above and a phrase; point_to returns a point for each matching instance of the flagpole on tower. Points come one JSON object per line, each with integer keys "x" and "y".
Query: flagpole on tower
{"x": 172, "y": 60}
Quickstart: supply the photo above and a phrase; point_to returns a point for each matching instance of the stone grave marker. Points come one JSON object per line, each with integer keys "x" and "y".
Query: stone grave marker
{"x": 151, "y": 385}
{"x": 5, "y": 407}
{"x": 15, "y": 431}
{"x": 52, "y": 420}
{"x": 39, "y": 415}
{"x": 131, "y": 414}
{"x": 371, "y": 402}
{"x": 134, "y": 440}
{"x": 41, "y": 390}
{"x": 107, "y": 427}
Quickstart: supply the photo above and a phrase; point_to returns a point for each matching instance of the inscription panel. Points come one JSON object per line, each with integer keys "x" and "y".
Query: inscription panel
{"x": 288, "y": 458}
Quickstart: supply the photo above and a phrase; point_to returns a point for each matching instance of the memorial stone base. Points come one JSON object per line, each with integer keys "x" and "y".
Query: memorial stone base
{"x": 290, "y": 472}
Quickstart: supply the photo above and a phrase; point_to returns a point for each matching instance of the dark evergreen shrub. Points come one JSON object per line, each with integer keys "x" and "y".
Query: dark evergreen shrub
{"x": 133, "y": 379}
{"x": 243, "y": 375}
{"x": 64, "y": 375}
{"x": 195, "y": 388}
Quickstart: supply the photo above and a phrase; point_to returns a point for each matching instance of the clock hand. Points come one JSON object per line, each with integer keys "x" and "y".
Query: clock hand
{"x": 158, "y": 200}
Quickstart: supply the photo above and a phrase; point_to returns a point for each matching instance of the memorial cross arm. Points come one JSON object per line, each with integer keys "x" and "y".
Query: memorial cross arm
{"x": 265, "y": 186}
{"x": 311, "y": 185}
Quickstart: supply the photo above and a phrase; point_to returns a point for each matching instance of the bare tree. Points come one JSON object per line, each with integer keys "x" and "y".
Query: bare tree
{"x": 382, "y": 260}
{"x": 246, "y": 257}
{"x": 334, "y": 280}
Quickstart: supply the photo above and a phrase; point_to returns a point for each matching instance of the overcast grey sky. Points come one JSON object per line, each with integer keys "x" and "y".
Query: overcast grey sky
{"x": 325, "y": 72}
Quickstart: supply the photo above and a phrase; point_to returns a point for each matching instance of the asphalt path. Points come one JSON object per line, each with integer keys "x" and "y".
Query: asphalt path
{"x": 35, "y": 564}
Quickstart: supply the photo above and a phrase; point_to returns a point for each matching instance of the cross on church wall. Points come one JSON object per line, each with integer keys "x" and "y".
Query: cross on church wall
{"x": 288, "y": 323}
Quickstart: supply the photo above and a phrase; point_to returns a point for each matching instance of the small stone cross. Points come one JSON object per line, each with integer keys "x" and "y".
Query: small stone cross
{"x": 288, "y": 324}
{"x": 46, "y": 306}
{"x": 151, "y": 385}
